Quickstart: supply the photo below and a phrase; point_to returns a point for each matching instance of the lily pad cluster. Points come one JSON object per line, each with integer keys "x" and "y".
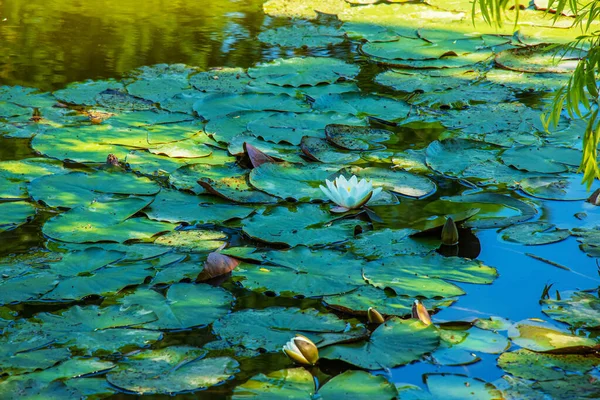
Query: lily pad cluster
{"x": 185, "y": 240}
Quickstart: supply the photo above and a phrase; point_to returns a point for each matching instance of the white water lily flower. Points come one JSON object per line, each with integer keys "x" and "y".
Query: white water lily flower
{"x": 302, "y": 350}
{"x": 349, "y": 194}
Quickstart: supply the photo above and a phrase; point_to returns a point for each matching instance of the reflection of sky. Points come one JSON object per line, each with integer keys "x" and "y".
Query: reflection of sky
{"x": 516, "y": 293}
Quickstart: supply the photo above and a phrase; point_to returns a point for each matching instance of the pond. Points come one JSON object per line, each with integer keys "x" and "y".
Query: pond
{"x": 182, "y": 263}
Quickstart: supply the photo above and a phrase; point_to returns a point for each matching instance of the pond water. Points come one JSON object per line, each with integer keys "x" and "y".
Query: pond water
{"x": 479, "y": 124}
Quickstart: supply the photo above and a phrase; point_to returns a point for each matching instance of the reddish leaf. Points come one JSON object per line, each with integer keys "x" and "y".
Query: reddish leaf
{"x": 217, "y": 264}
{"x": 257, "y": 157}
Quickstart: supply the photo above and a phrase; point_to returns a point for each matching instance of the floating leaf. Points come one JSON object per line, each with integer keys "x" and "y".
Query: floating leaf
{"x": 534, "y": 233}
{"x": 303, "y": 71}
{"x": 540, "y": 58}
{"x": 545, "y": 338}
{"x": 220, "y": 104}
{"x": 272, "y": 327}
{"x": 546, "y": 159}
{"x": 362, "y": 106}
{"x": 104, "y": 221}
{"x": 302, "y": 35}
{"x": 356, "y": 137}
{"x": 545, "y": 367}
{"x": 300, "y": 271}
{"x": 358, "y": 302}
{"x": 389, "y": 242}
{"x": 192, "y": 240}
{"x": 396, "y": 342}
{"x": 298, "y": 384}
{"x": 90, "y": 329}
{"x": 171, "y": 370}
{"x": 580, "y": 310}
{"x": 184, "y": 305}
{"x": 177, "y": 207}
{"x": 307, "y": 224}
{"x": 291, "y": 128}
{"x": 80, "y": 189}
{"x": 567, "y": 187}
{"x": 290, "y": 181}
{"x": 13, "y": 214}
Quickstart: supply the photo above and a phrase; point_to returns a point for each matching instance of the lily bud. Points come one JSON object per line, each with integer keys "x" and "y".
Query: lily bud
{"x": 449, "y": 233}
{"x": 420, "y": 312}
{"x": 302, "y": 350}
{"x": 374, "y": 316}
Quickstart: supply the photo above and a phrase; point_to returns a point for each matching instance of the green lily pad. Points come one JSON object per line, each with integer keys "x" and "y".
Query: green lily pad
{"x": 184, "y": 305}
{"x": 455, "y": 269}
{"x": 494, "y": 210}
{"x": 567, "y": 187}
{"x": 389, "y": 242}
{"x": 301, "y": 271}
{"x": 404, "y": 283}
{"x": 47, "y": 384}
{"x": 157, "y": 89}
{"x": 397, "y": 181}
{"x": 360, "y": 300}
{"x": 459, "y": 387}
{"x": 192, "y": 240}
{"x": 298, "y": 383}
{"x": 452, "y": 157}
{"x": 303, "y": 9}
{"x": 291, "y": 128}
{"x": 171, "y": 370}
{"x": 542, "y": 337}
{"x": 462, "y": 97}
{"x": 282, "y": 151}
{"x": 534, "y": 233}
{"x": 459, "y": 347}
{"x": 221, "y": 80}
{"x": 589, "y": 239}
{"x": 289, "y": 181}
{"x": 220, "y": 104}
{"x": 303, "y": 71}
{"x": 426, "y": 80}
{"x": 227, "y": 180}
{"x": 481, "y": 120}
{"x": 546, "y": 159}
{"x": 90, "y": 329}
{"x": 272, "y": 327}
{"x": 104, "y": 221}
{"x": 419, "y": 49}
{"x": 526, "y": 82}
{"x": 13, "y": 214}
{"x": 85, "y": 261}
{"x": 177, "y": 207}
{"x": 363, "y": 106}
{"x": 195, "y": 147}
{"x": 357, "y": 137}
{"x": 580, "y": 310}
{"x": 302, "y": 35}
{"x": 306, "y": 224}
{"x": 541, "y": 58}
{"x": 321, "y": 151}
{"x": 80, "y": 189}
{"x": 396, "y": 342}
{"x": 545, "y": 367}
{"x": 103, "y": 282}
{"x": 14, "y": 175}
{"x": 86, "y": 93}
{"x": 14, "y": 363}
